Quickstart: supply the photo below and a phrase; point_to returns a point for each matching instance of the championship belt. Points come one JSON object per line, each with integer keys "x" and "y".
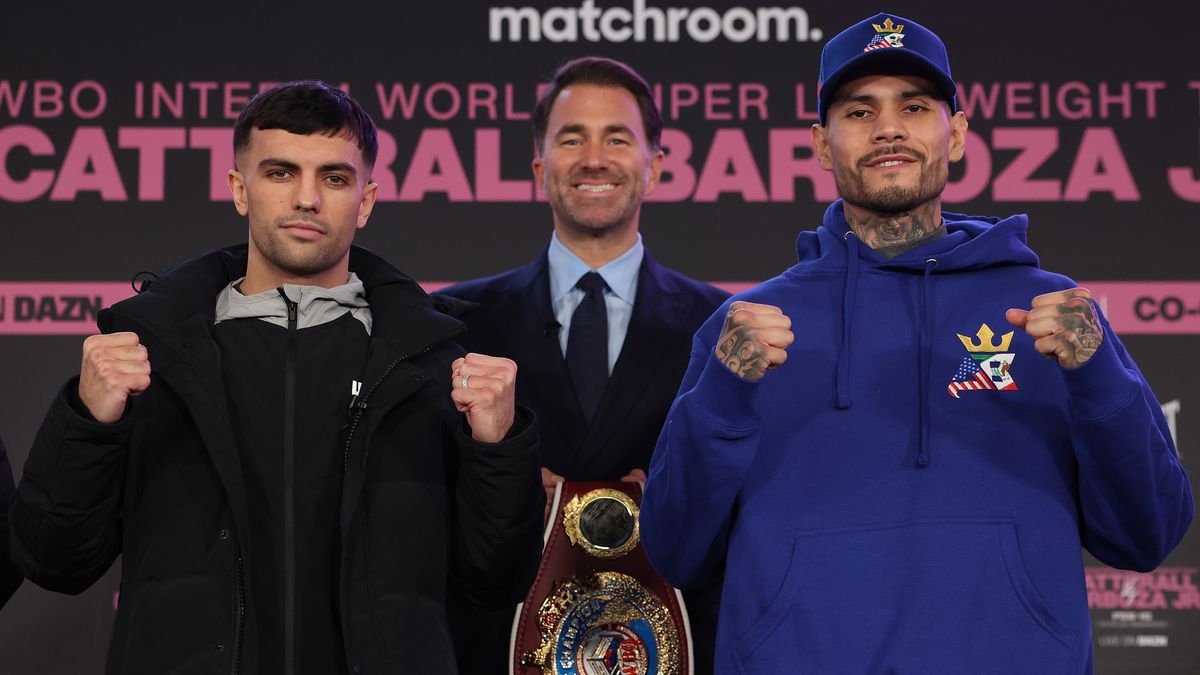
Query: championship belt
{"x": 597, "y": 606}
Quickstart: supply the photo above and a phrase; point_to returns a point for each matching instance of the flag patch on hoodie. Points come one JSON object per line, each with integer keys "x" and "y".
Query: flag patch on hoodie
{"x": 987, "y": 365}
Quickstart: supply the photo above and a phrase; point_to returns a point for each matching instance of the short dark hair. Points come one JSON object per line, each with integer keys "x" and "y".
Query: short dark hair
{"x": 602, "y": 72}
{"x": 307, "y": 107}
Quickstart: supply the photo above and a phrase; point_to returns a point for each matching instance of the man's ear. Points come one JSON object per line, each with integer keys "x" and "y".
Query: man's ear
{"x": 237, "y": 188}
{"x": 655, "y": 170}
{"x": 367, "y": 204}
{"x": 958, "y": 135}
{"x": 820, "y": 144}
{"x": 539, "y": 168}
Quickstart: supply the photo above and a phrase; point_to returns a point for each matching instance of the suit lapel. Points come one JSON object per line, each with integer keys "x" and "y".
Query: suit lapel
{"x": 658, "y": 310}
{"x": 526, "y": 318}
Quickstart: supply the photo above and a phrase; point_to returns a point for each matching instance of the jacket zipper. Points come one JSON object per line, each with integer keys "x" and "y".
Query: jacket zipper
{"x": 358, "y": 406}
{"x": 289, "y": 497}
{"x": 240, "y": 628}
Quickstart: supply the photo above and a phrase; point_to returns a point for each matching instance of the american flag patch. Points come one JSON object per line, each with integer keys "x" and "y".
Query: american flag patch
{"x": 877, "y": 42}
{"x": 969, "y": 376}
{"x": 982, "y": 372}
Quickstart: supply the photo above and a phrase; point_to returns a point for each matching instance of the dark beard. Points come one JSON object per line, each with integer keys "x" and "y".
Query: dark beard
{"x": 891, "y": 200}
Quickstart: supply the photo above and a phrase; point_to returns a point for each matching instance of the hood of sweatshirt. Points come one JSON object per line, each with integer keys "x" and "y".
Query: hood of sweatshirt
{"x": 970, "y": 243}
{"x": 314, "y": 305}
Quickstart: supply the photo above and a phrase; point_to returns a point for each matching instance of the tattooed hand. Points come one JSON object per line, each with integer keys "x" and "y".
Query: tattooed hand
{"x": 753, "y": 339}
{"x": 1064, "y": 326}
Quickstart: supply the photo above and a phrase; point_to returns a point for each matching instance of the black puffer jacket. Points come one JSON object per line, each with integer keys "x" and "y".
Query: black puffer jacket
{"x": 425, "y": 510}
{"x": 10, "y": 578}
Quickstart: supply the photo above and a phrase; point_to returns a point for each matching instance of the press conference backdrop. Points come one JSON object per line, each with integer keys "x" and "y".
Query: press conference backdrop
{"x": 115, "y": 134}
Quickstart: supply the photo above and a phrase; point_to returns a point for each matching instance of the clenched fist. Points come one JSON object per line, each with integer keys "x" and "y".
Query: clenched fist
{"x": 114, "y": 368}
{"x": 753, "y": 339}
{"x": 485, "y": 389}
{"x": 1064, "y": 326}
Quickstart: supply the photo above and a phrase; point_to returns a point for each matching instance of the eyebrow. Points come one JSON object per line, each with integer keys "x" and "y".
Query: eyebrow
{"x": 292, "y": 166}
{"x": 579, "y": 129}
{"x": 906, "y": 94}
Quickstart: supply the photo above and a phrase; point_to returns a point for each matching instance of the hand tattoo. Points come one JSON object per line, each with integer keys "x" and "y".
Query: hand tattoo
{"x": 740, "y": 353}
{"x": 1081, "y": 332}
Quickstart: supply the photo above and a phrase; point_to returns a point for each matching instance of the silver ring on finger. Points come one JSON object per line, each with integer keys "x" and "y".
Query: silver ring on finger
{"x": 464, "y": 380}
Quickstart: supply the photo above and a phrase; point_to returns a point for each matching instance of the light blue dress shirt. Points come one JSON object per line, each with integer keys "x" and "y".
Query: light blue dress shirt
{"x": 621, "y": 275}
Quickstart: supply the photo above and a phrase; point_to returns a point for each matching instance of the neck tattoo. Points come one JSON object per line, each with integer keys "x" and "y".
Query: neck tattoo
{"x": 894, "y": 234}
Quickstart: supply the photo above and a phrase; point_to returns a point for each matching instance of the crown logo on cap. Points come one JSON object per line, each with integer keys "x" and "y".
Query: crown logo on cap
{"x": 985, "y": 343}
{"x": 888, "y": 27}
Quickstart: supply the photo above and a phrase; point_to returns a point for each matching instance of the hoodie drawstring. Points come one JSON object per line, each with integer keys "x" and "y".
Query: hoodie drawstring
{"x": 925, "y": 338}
{"x": 849, "y": 295}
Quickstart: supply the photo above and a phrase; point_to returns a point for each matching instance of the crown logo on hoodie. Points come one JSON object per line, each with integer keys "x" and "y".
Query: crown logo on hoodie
{"x": 985, "y": 343}
{"x": 987, "y": 366}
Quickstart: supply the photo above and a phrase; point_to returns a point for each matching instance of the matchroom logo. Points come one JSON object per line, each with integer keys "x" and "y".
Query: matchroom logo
{"x": 642, "y": 23}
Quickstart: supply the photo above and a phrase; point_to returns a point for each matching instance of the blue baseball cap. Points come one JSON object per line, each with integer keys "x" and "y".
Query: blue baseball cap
{"x": 884, "y": 43}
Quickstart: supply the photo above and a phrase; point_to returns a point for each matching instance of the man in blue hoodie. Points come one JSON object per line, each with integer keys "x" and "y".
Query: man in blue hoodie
{"x": 945, "y": 424}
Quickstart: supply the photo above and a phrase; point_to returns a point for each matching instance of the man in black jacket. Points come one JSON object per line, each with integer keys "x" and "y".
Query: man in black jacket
{"x": 10, "y": 578}
{"x": 290, "y": 485}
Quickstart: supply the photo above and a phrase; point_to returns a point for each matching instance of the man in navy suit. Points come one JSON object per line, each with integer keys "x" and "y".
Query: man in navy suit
{"x": 601, "y": 393}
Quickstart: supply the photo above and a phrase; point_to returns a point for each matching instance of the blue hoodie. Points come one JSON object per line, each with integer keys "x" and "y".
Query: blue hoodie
{"x": 874, "y": 518}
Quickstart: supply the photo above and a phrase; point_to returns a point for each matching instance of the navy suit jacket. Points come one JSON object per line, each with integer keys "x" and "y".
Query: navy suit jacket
{"x": 512, "y": 317}
{"x": 515, "y": 319}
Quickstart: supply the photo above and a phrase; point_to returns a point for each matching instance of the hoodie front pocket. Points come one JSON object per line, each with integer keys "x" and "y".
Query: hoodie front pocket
{"x": 925, "y": 596}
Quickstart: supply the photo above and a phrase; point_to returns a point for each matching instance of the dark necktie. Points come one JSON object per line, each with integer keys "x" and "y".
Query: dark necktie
{"x": 587, "y": 344}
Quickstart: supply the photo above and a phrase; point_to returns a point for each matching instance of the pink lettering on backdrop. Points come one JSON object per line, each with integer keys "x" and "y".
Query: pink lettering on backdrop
{"x": 1100, "y": 167}
{"x": 203, "y": 89}
{"x": 753, "y": 97}
{"x": 38, "y": 181}
{"x": 803, "y": 113}
{"x": 1014, "y": 182}
{"x": 96, "y": 91}
{"x": 435, "y": 167}
{"x": 1166, "y": 587}
{"x": 234, "y": 100}
{"x": 89, "y": 166}
{"x": 1122, "y": 98}
{"x": 69, "y": 308}
{"x": 730, "y": 167}
{"x": 679, "y": 178}
{"x": 1151, "y": 89}
{"x": 786, "y": 167}
{"x": 511, "y": 113}
{"x": 489, "y": 186}
{"x": 683, "y": 95}
{"x": 382, "y": 174}
{"x": 219, "y": 143}
{"x": 397, "y": 98}
{"x": 1132, "y": 307}
{"x": 452, "y": 96}
{"x": 1183, "y": 180}
{"x": 152, "y": 144}
{"x": 161, "y": 98}
{"x": 1017, "y": 99}
{"x": 977, "y": 172}
{"x": 12, "y": 98}
{"x": 481, "y": 95}
{"x": 717, "y": 100}
{"x": 56, "y": 308}
{"x": 1071, "y": 100}
{"x": 47, "y": 99}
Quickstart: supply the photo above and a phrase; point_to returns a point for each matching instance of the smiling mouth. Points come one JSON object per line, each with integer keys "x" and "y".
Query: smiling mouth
{"x": 604, "y": 187}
